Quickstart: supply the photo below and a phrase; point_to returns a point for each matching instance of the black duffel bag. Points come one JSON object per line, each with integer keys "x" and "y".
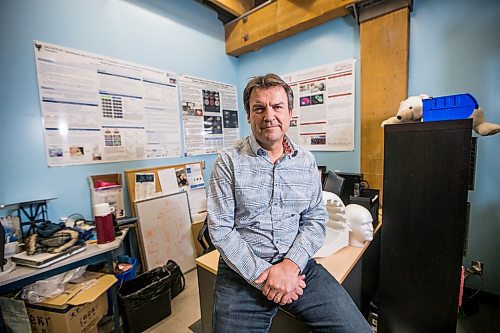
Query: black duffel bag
{"x": 177, "y": 280}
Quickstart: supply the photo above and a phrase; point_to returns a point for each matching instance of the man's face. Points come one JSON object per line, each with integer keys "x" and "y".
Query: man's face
{"x": 269, "y": 115}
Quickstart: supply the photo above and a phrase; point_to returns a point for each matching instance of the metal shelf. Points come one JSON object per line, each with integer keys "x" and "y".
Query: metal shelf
{"x": 30, "y": 213}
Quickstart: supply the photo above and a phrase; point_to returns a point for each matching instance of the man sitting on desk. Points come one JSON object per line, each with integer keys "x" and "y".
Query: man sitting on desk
{"x": 267, "y": 219}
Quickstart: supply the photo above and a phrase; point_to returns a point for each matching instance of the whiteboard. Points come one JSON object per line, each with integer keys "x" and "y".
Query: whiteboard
{"x": 165, "y": 231}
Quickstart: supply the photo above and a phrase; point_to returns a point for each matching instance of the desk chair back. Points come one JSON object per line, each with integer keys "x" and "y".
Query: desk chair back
{"x": 204, "y": 238}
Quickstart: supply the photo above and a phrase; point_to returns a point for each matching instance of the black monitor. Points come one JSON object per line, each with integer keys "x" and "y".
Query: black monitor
{"x": 352, "y": 185}
{"x": 333, "y": 183}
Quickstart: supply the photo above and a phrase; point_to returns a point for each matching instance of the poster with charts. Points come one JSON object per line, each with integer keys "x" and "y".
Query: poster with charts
{"x": 97, "y": 109}
{"x": 324, "y": 106}
{"x": 209, "y": 114}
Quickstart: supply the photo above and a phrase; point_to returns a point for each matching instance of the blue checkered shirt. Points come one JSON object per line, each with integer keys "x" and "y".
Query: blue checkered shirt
{"x": 260, "y": 213}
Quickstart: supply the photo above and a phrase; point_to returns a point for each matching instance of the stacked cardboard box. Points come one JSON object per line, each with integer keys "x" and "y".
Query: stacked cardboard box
{"x": 78, "y": 309}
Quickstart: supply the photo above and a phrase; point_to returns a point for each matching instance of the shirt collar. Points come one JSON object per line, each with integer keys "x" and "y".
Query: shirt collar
{"x": 289, "y": 148}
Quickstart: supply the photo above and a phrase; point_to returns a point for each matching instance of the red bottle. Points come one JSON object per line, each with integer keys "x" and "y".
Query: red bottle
{"x": 104, "y": 223}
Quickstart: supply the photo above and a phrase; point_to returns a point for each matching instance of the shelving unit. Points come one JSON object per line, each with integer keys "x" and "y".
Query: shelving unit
{"x": 426, "y": 181}
{"x": 30, "y": 213}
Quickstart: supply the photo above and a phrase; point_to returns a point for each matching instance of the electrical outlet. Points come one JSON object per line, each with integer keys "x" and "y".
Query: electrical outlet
{"x": 478, "y": 267}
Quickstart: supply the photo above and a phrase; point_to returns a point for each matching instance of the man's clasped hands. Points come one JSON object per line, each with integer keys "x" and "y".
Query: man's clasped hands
{"x": 282, "y": 282}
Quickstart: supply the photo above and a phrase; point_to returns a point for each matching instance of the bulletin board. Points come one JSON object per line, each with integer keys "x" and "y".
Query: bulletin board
{"x": 164, "y": 226}
{"x": 196, "y": 192}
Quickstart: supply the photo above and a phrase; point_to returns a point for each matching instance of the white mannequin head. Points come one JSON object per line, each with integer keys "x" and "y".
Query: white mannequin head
{"x": 360, "y": 223}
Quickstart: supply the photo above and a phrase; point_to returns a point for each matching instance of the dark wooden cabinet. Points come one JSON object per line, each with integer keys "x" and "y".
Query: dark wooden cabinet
{"x": 426, "y": 176}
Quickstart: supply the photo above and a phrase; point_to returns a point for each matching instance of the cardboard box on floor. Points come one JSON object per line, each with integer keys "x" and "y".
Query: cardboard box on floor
{"x": 78, "y": 309}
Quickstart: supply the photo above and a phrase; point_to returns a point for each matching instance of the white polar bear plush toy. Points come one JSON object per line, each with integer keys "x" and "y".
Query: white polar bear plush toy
{"x": 480, "y": 126}
{"x": 411, "y": 110}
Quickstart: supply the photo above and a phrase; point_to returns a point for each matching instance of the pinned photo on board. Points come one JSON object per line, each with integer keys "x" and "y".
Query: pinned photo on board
{"x": 312, "y": 87}
{"x": 211, "y": 101}
{"x": 318, "y": 140}
{"x": 304, "y": 87}
{"x": 213, "y": 125}
{"x": 305, "y": 101}
{"x": 55, "y": 152}
{"x": 189, "y": 108}
{"x": 317, "y": 99}
{"x": 96, "y": 154}
{"x": 230, "y": 119}
{"x": 75, "y": 151}
{"x": 317, "y": 86}
{"x": 181, "y": 176}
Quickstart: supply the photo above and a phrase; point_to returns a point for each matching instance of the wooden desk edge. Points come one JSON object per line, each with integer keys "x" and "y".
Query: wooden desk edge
{"x": 209, "y": 261}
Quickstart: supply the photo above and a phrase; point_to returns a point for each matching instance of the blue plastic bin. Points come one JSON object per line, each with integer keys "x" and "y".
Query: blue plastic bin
{"x": 128, "y": 275}
{"x": 449, "y": 107}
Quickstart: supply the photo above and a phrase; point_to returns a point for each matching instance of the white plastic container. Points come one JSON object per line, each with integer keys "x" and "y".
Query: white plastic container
{"x": 11, "y": 249}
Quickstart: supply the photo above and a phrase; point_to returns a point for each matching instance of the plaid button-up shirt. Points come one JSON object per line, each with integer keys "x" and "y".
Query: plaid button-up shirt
{"x": 261, "y": 212}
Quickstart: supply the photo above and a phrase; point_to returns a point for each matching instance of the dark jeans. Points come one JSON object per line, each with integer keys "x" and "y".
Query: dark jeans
{"x": 324, "y": 307}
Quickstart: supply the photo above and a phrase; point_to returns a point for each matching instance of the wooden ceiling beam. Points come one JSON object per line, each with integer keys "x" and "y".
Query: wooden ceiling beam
{"x": 235, "y": 7}
{"x": 280, "y": 19}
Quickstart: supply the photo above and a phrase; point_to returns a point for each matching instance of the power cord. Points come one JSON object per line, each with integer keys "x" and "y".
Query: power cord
{"x": 467, "y": 308}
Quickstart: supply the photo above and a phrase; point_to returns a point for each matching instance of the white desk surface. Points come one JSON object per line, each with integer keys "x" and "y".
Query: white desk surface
{"x": 91, "y": 250}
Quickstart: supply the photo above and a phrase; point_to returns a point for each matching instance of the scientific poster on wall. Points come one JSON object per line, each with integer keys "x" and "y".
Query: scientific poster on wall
{"x": 323, "y": 113}
{"x": 97, "y": 109}
{"x": 209, "y": 114}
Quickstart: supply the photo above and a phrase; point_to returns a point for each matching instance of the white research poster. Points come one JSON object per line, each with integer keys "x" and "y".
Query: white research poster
{"x": 210, "y": 115}
{"x": 97, "y": 109}
{"x": 323, "y": 111}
